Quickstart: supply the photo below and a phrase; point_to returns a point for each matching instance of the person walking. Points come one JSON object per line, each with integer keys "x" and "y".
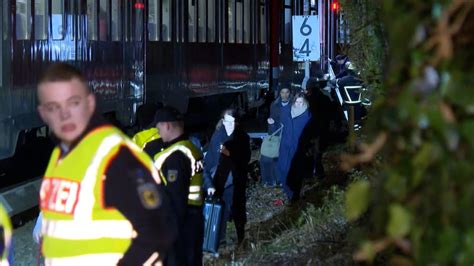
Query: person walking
{"x": 294, "y": 121}
{"x": 101, "y": 198}
{"x": 180, "y": 163}
{"x": 268, "y": 166}
{"x": 225, "y": 171}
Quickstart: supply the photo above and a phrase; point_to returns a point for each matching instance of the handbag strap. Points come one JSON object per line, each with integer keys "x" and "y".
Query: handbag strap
{"x": 276, "y": 131}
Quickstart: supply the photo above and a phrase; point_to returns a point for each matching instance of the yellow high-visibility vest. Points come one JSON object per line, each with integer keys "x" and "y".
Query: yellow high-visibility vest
{"x": 7, "y": 236}
{"x": 77, "y": 228}
{"x": 195, "y": 196}
{"x": 143, "y": 137}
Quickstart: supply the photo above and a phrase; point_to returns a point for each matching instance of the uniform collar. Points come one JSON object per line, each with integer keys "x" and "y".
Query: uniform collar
{"x": 180, "y": 138}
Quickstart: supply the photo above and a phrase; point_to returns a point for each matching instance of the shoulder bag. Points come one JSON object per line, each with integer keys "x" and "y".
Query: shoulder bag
{"x": 271, "y": 144}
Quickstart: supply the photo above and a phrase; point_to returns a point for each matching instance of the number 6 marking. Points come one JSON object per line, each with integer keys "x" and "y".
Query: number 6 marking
{"x": 305, "y": 26}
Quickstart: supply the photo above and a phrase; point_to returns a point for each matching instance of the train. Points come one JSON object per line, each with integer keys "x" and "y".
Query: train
{"x": 199, "y": 56}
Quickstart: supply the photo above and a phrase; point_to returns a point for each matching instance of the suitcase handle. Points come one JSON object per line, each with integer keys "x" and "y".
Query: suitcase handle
{"x": 212, "y": 199}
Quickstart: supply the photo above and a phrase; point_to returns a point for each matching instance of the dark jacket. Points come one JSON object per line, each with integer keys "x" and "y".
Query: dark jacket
{"x": 236, "y": 163}
{"x": 292, "y": 129}
{"x": 213, "y": 154}
{"x": 275, "y": 113}
{"x": 348, "y": 80}
{"x": 340, "y": 70}
{"x": 123, "y": 189}
{"x": 352, "y": 80}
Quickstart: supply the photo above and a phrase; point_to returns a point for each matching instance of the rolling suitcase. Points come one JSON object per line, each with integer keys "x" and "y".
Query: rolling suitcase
{"x": 213, "y": 214}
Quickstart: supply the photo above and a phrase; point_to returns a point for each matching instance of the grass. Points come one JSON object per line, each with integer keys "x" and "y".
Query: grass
{"x": 315, "y": 226}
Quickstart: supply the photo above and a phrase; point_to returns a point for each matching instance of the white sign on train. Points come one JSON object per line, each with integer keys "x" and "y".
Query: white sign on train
{"x": 306, "y": 44}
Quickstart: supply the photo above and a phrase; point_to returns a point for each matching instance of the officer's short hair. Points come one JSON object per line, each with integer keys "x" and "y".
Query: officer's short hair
{"x": 167, "y": 114}
{"x": 62, "y": 72}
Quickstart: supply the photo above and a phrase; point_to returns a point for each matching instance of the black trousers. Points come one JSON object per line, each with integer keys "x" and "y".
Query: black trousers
{"x": 188, "y": 248}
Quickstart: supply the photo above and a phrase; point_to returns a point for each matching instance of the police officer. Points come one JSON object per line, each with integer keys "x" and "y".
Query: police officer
{"x": 6, "y": 250}
{"x": 352, "y": 79}
{"x": 101, "y": 197}
{"x": 179, "y": 162}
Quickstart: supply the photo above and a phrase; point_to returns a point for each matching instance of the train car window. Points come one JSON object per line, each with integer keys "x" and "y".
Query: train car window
{"x": 253, "y": 21}
{"x": 103, "y": 20}
{"x": 41, "y": 19}
{"x": 57, "y": 19}
{"x": 23, "y": 19}
{"x": 202, "y": 20}
{"x": 247, "y": 28}
{"x": 239, "y": 20}
{"x": 211, "y": 21}
{"x": 180, "y": 20}
{"x": 231, "y": 21}
{"x": 116, "y": 15}
{"x": 154, "y": 20}
{"x": 138, "y": 24}
{"x": 166, "y": 22}
{"x": 263, "y": 23}
{"x": 5, "y": 20}
{"x": 221, "y": 28}
{"x": 74, "y": 8}
{"x": 92, "y": 33}
{"x": 191, "y": 20}
{"x": 78, "y": 20}
{"x": 287, "y": 24}
{"x": 342, "y": 30}
{"x": 313, "y": 8}
{"x": 2, "y": 27}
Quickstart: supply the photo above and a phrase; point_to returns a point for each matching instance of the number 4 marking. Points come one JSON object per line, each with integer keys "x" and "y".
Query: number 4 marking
{"x": 305, "y": 48}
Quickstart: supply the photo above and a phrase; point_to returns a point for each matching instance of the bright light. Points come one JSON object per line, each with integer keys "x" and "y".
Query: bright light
{"x": 335, "y": 6}
{"x": 139, "y": 5}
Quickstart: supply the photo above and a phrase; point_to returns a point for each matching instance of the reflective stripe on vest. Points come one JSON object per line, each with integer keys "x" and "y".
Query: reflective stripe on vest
{"x": 85, "y": 206}
{"x": 85, "y": 260}
{"x": 97, "y": 259}
{"x": 89, "y": 230}
{"x": 75, "y": 222}
{"x": 195, "y": 156}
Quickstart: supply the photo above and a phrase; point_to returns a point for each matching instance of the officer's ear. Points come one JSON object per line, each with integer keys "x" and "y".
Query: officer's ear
{"x": 91, "y": 102}
{"x": 167, "y": 125}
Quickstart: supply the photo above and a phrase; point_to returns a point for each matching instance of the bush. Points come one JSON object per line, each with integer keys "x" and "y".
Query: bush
{"x": 422, "y": 125}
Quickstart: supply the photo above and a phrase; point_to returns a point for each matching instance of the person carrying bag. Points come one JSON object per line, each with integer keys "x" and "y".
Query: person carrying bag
{"x": 271, "y": 144}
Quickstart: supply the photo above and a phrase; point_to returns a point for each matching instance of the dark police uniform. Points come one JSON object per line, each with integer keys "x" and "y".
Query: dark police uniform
{"x": 180, "y": 164}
